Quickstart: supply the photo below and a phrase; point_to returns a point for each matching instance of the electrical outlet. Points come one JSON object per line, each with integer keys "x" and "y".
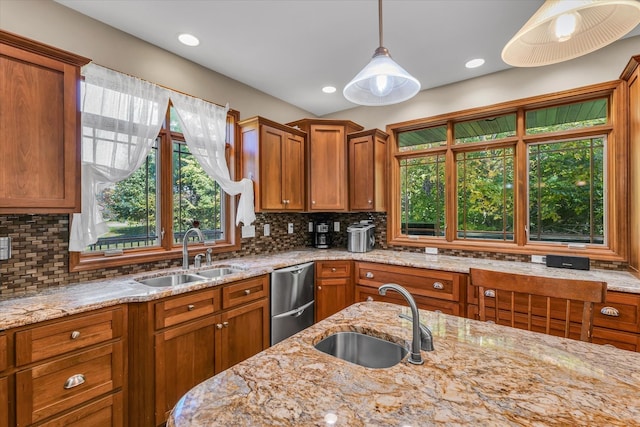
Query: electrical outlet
{"x": 267, "y": 230}
{"x": 336, "y": 226}
{"x": 248, "y": 231}
{"x": 290, "y": 228}
{"x": 431, "y": 251}
{"x": 539, "y": 259}
{"x": 310, "y": 226}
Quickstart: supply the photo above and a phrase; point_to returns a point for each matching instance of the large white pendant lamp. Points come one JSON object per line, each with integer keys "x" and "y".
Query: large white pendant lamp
{"x": 382, "y": 81}
{"x": 565, "y": 29}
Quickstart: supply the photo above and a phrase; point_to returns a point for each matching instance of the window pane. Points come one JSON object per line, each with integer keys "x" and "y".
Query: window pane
{"x": 566, "y": 191}
{"x": 422, "y": 196}
{"x": 196, "y": 197}
{"x": 485, "y": 194}
{"x": 566, "y": 117}
{"x": 174, "y": 123}
{"x": 488, "y": 129}
{"x": 422, "y": 138}
{"x": 130, "y": 209}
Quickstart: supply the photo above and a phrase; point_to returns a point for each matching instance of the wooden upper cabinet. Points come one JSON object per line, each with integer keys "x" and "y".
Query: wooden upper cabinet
{"x": 327, "y": 176}
{"x": 367, "y": 170}
{"x": 40, "y": 122}
{"x": 632, "y": 75}
{"x": 273, "y": 156}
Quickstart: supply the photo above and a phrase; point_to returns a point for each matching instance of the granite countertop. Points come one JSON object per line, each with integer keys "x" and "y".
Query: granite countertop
{"x": 479, "y": 374}
{"x": 37, "y": 306}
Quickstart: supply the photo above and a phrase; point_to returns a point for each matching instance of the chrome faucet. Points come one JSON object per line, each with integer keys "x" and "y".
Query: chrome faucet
{"x": 415, "y": 357}
{"x": 185, "y": 240}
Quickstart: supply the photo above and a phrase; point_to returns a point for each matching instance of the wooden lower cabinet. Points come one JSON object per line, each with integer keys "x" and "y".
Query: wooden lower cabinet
{"x": 334, "y": 287}
{"x": 4, "y": 402}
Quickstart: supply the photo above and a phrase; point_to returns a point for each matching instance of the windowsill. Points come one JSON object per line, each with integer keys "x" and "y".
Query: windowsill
{"x": 596, "y": 253}
{"x": 79, "y": 262}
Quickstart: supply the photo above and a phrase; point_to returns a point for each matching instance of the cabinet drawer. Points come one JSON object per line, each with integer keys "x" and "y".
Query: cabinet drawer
{"x": 60, "y": 337}
{"x": 328, "y": 269}
{"x": 623, "y": 310}
{"x": 50, "y": 388}
{"x": 623, "y": 340}
{"x": 3, "y": 352}
{"x": 429, "y": 283}
{"x": 245, "y": 291}
{"x": 103, "y": 412}
{"x": 363, "y": 293}
{"x": 180, "y": 309}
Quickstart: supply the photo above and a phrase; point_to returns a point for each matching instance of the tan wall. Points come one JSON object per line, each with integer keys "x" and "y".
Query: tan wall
{"x": 51, "y": 23}
{"x": 516, "y": 83}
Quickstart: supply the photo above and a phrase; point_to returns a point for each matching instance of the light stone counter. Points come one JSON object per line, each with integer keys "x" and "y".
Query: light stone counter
{"x": 479, "y": 374}
{"x": 37, "y": 306}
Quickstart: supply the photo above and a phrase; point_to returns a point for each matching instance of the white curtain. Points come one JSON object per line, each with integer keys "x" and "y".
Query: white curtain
{"x": 204, "y": 127}
{"x": 121, "y": 118}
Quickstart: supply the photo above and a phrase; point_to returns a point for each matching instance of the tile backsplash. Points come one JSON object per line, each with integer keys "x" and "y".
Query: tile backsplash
{"x": 40, "y": 257}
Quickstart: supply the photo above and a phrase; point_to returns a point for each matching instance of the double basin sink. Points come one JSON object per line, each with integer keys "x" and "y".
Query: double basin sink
{"x": 182, "y": 278}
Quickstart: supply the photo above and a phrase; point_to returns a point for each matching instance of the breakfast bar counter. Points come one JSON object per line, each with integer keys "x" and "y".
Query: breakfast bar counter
{"x": 478, "y": 374}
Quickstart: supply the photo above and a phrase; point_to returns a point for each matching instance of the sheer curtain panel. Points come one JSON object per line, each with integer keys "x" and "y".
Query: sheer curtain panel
{"x": 204, "y": 127}
{"x": 121, "y": 118}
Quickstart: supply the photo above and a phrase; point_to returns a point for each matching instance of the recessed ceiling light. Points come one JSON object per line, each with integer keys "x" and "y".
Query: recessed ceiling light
{"x": 328, "y": 89}
{"x": 188, "y": 39}
{"x": 474, "y": 63}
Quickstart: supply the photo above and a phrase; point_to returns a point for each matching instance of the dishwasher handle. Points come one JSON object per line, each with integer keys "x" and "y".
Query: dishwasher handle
{"x": 296, "y": 312}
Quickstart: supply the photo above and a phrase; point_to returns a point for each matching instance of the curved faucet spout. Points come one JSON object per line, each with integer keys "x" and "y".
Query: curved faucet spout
{"x": 415, "y": 357}
{"x": 185, "y": 241}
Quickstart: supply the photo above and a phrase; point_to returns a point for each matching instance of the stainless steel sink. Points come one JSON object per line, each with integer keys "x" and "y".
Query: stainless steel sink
{"x": 172, "y": 280}
{"x": 218, "y": 272}
{"x": 363, "y": 350}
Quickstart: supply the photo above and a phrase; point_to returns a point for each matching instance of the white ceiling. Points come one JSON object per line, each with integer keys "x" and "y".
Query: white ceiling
{"x": 290, "y": 49}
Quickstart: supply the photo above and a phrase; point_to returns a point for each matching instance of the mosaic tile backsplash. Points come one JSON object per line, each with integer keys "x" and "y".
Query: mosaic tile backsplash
{"x": 40, "y": 256}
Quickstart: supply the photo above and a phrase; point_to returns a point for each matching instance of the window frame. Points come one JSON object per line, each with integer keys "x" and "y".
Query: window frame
{"x": 167, "y": 250}
{"x": 616, "y": 220}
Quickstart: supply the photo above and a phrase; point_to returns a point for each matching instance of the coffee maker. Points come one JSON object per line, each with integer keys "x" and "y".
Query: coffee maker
{"x": 321, "y": 235}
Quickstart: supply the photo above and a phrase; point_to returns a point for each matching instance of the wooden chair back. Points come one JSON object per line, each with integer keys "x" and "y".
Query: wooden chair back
{"x": 499, "y": 285}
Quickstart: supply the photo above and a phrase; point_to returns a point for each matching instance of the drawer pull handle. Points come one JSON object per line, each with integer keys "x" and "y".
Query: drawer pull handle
{"x": 369, "y": 298}
{"x": 191, "y": 307}
{"x": 75, "y": 335}
{"x": 247, "y": 291}
{"x": 369, "y": 275}
{"x": 74, "y": 381}
{"x": 438, "y": 285}
{"x": 610, "y": 311}
{"x": 490, "y": 293}
{"x": 333, "y": 270}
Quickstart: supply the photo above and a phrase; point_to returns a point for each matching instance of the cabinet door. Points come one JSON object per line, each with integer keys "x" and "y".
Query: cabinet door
{"x": 327, "y": 168}
{"x": 4, "y": 402}
{"x": 293, "y": 183}
{"x": 244, "y": 332}
{"x": 332, "y": 295}
{"x": 38, "y": 143}
{"x": 272, "y": 142}
{"x": 184, "y": 358}
{"x": 361, "y": 173}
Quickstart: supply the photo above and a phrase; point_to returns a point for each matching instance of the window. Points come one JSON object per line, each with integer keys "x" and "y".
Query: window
{"x": 149, "y": 212}
{"x": 530, "y": 176}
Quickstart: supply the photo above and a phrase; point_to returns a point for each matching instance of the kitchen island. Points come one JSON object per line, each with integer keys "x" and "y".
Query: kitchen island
{"x": 478, "y": 374}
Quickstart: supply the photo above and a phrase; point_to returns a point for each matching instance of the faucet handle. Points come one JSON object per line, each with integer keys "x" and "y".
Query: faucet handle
{"x": 426, "y": 337}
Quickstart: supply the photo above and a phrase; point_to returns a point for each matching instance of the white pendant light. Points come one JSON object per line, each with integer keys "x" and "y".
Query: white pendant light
{"x": 565, "y": 29}
{"x": 382, "y": 81}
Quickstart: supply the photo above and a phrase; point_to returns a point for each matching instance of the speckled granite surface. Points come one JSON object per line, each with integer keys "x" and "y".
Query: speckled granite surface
{"x": 479, "y": 374}
{"x": 66, "y": 300}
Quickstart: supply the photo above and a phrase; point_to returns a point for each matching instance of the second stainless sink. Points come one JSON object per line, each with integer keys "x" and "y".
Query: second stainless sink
{"x": 363, "y": 350}
{"x": 172, "y": 280}
{"x": 218, "y": 272}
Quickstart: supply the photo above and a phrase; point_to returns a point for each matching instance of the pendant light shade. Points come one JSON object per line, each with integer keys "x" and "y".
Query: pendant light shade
{"x": 565, "y": 29}
{"x": 382, "y": 81}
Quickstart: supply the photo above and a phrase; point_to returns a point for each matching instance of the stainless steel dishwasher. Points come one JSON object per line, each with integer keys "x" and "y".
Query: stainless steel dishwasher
{"x": 291, "y": 300}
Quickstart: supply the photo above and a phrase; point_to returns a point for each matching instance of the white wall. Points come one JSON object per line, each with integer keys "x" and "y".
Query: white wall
{"x": 51, "y": 23}
{"x": 516, "y": 83}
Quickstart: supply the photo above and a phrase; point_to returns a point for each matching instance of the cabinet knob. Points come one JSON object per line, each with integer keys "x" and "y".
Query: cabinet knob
{"x": 333, "y": 270}
{"x": 438, "y": 285}
{"x": 247, "y": 291}
{"x": 370, "y": 201}
{"x": 369, "y": 275}
{"x": 319, "y": 288}
{"x": 490, "y": 293}
{"x": 225, "y": 324}
{"x": 191, "y": 307}
{"x": 75, "y": 335}
{"x": 218, "y": 325}
{"x": 74, "y": 381}
{"x": 313, "y": 202}
{"x": 610, "y": 311}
